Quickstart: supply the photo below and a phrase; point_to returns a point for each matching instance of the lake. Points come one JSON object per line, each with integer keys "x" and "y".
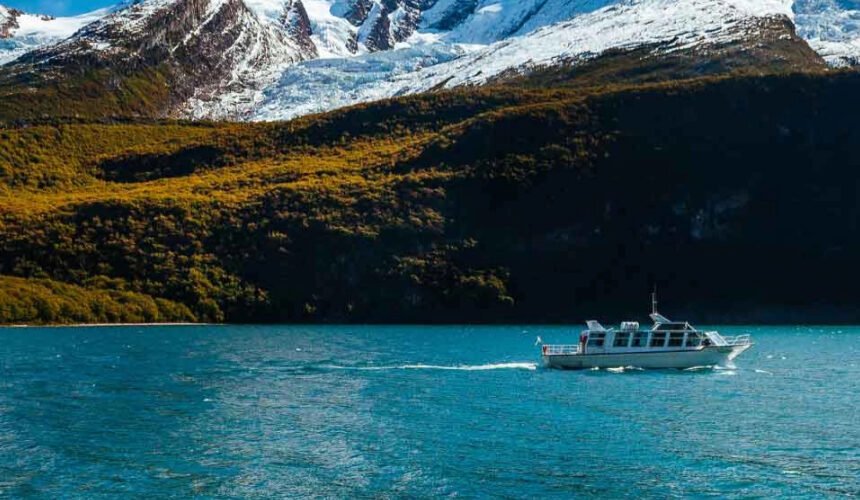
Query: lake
{"x": 411, "y": 411}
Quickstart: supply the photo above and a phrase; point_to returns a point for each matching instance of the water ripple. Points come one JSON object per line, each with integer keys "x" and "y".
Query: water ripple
{"x": 333, "y": 412}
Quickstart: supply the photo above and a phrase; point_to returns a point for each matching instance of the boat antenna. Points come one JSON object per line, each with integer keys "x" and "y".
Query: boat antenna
{"x": 654, "y": 300}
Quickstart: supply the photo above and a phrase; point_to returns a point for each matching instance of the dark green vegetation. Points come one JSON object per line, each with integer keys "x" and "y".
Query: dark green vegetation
{"x": 737, "y": 195}
{"x": 27, "y": 300}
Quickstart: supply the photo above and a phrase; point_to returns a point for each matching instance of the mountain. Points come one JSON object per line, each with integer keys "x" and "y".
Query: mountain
{"x": 21, "y": 32}
{"x": 450, "y": 43}
{"x": 714, "y": 36}
{"x": 277, "y": 59}
{"x": 147, "y": 57}
{"x": 479, "y": 204}
{"x": 528, "y": 161}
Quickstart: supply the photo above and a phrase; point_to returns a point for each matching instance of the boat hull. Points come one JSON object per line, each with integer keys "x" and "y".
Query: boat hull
{"x": 680, "y": 359}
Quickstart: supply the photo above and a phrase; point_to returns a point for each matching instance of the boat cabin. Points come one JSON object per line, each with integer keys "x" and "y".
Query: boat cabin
{"x": 629, "y": 337}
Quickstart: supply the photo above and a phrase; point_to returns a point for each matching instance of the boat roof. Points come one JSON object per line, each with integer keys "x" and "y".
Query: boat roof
{"x": 660, "y": 323}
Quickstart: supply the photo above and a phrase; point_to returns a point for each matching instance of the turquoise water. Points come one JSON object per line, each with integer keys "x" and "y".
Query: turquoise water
{"x": 294, "y": 411}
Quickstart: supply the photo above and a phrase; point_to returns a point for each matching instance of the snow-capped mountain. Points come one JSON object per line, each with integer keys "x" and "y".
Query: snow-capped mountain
{"x": 21, "y": 32}
{"x": 490, "y": 38}
{"x": 275, "y": 59}
{"x": 202, "y": 47}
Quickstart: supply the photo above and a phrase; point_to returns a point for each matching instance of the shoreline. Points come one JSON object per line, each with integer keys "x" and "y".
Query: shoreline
{"x": 574, "y": 325}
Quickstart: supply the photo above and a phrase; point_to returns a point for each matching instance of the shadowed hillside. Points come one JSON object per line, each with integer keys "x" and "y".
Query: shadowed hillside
{"x": 476, "y": 205}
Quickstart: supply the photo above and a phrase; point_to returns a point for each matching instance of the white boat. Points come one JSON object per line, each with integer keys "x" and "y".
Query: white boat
{"x": 668, "y": 344}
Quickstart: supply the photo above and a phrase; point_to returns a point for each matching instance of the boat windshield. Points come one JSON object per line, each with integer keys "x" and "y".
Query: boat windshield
{"x": 694, "y": 339}
{"x": 596, "y": 339}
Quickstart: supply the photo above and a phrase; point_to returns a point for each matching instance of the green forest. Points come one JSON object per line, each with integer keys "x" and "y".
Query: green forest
{"x": 507, "y": 203}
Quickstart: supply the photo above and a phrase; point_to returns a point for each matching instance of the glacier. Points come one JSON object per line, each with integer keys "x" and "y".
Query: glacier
{"x": 832, "y": 28}
{"x": 580, "y": 29}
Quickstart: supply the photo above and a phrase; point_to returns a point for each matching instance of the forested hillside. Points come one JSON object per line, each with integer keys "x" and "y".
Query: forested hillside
{"x": 737, "y": 195}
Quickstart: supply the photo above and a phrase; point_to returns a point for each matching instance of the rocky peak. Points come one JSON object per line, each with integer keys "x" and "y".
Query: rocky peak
{"x": 8, "y": 21}
{"x": 198, "y": 33}
{"x": 297, "y": 23}
{"x": 235, "y": 57}
{"x": 382, "y": 23}
{"x": 358, "y": 10}
{"x": 201, "y": 48}
{"x": 375, "y": 32}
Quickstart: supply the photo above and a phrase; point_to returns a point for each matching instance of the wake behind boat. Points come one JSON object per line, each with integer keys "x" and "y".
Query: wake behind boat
{"x": 668, "y": 344}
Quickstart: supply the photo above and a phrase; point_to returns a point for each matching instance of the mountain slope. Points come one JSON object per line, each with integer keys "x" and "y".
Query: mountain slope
{"x": 275, "y": 59}
{"x": 163, "y": 51}
{"x": 21, "y": 32}
{"x": 712, "y": 35}
{"x": 440, "y": 208}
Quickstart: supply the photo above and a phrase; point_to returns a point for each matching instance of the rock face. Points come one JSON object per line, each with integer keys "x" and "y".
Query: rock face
{"x": 383, "y": 23}
{"x": 8, "y": 21}
{"x": 657, "y": 40}
{"x": 297, "y": 25}
{"x": 201, "y": 47}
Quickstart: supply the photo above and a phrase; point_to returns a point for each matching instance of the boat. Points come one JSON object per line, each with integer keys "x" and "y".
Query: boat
{"x": 667, "y": 344}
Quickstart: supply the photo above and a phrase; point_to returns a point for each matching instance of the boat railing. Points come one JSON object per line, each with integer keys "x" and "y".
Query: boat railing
{"x": 560, "y": 350}
{"x": 738, "y": 340}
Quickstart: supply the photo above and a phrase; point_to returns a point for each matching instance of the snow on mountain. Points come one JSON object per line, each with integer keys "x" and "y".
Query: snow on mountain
{"x": 275, "y": 59}
{"x": 333, "y": 36}
{"x": 493, "y": 20}
{"x": 832, "y": 28}
{"x": 420, "y": 65}
{"x": 21, "y": 32}
{"x": 673, "y": 24}
{"x": 324, "y": 84}
{"x": 205, "y": 48}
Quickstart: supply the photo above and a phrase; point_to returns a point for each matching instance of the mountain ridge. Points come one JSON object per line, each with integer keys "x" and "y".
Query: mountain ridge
{"x": 276, "y": 59}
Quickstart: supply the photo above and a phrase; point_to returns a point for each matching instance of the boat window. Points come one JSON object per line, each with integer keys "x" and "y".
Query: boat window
{"x": 621, "y": 339}
{"x": 676, "y": 339}
{"x": 694, "y": 340}
{"x": 640, "y": 339}
{"x": 596, "y": 339}
{"x": 658, "y": 339}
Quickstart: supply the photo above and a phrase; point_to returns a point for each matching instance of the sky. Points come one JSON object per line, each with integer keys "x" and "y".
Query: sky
{"x": 58, "y": 7}
{"x": 72, "y": 7}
